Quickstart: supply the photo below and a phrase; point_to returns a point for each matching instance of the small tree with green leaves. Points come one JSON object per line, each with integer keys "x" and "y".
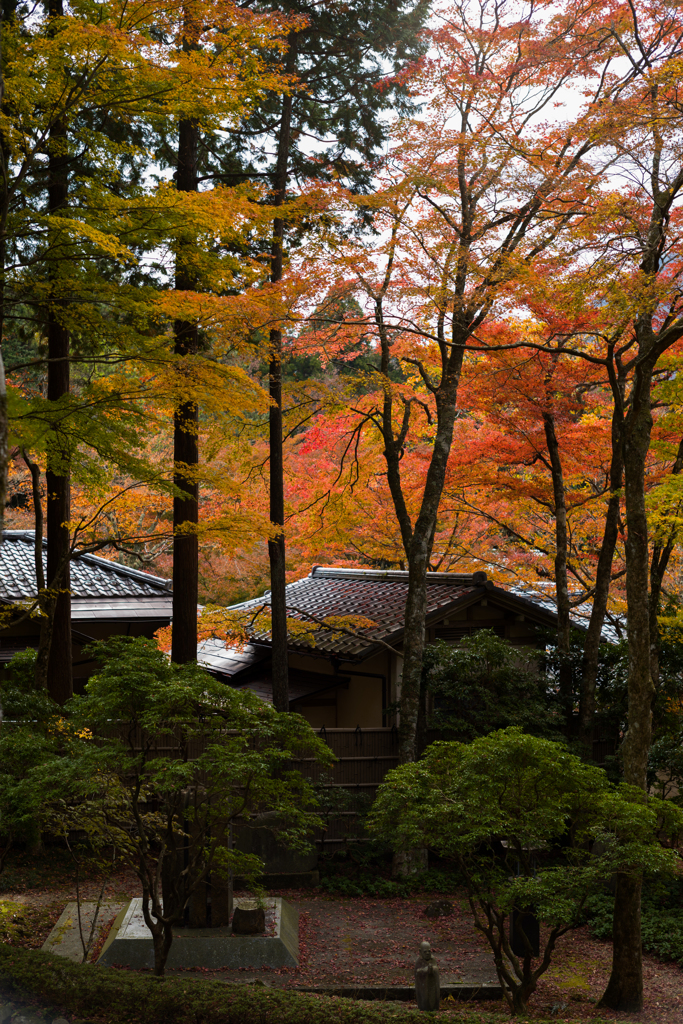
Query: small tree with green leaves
{"x": 532, "y": 829}
{"x": 484, "y": 684}
{"x": 167, "y": 759}
{"x": 32, "y": 734}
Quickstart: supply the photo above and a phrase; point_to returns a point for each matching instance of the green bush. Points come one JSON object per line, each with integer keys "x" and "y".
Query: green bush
{"x": 661, "y": 918}
{"x": 365, "y": 884}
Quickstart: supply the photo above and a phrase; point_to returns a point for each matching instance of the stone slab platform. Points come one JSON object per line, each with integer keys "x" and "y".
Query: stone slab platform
{"x": 406, "y": 993}
{"x": 65, "y": 937}
{"x": 130, "y": 944}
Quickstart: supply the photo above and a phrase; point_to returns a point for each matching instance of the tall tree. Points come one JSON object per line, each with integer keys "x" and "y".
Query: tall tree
{"x": 186, "y": 414}
{"x": 345, "y": 58}
{"x": 60, "y": 676}
{"x": 86, "y": 91}
{"x": 276, "y": 544}
{"x": 646, "y": 137}
{"x": 473, "y": 188}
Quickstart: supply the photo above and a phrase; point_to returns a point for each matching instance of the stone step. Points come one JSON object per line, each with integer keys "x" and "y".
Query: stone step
{"x": 406, "y": 993}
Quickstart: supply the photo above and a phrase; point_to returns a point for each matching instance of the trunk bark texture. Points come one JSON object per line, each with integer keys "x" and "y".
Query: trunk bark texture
{"x": 58, "y": 479}
{"x": 637, "y": 431}
{"x": 561, "y": 582}
{"x": 661, "y": 553}
{"x": 625, "y": 987}
{"x": 603, "y": 579}
{"x": 185, "y": 440}
{"x": 8, "y": 10}
{"x": 46, "y": 599}
{"x": 276, "y": 545}
{"x": 419, "y": 553}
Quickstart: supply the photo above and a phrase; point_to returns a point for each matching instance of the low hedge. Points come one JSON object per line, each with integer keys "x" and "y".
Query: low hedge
{"x": 123, "y": 997}
{"x": 369, "y": 883}
{"x": 116, "y": 995}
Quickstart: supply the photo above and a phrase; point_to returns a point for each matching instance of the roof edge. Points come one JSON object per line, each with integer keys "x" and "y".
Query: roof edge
{"x": 86, "y": 556}
{"x": 462, "y": 578}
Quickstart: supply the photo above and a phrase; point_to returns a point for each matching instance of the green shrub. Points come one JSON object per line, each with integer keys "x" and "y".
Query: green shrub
{"x": 13, "y": 921}
{"x": 365, "y": 884}
{"x": 661, "y": 918}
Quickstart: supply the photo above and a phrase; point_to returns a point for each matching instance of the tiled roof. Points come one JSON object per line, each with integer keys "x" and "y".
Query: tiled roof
{"x": 212, "y": 654}
{"x": 98, "y": 586}
{"x": 374, "y": 594}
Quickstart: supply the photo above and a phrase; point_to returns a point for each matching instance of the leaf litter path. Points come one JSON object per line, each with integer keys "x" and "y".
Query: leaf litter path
{"x": 375, "y": 941}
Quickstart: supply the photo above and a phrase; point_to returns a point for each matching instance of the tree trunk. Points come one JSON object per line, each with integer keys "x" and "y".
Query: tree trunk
{"x": 640, "y": 689}
{"x": 3, "y": 434}
{"x": 561, "y": 582}
{"x": 7, "y": 13}
{"x": 625, "y": 988}
{"x": 661, "y": 553}
{"x": 46, "y": 599}
{"x": 58, "y": 479}
{"x": 520, "y": 998}
{"x": 276, "y": 545}
{"x": 163, "y": 940}
{"x": 185, "y": 439}
{"x": 603, "y": 579}
{"x": 418, "y": 564}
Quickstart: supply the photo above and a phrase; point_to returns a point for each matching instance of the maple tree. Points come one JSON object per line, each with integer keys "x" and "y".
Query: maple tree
{"x": 566, "y": 828}
{"x": 637, "y": 282}
{"x": 463, "y": 208}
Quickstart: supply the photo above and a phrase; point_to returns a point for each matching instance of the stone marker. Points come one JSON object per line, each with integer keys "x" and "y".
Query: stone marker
{"x": 248, "y": 919}
{"x": 427, "y": 987}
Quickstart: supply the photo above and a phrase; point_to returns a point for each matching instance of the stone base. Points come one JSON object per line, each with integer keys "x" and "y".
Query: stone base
{"x": 65, "y": 937}
{"x": 406, "y": 993}
{"x": 130, "y": 945}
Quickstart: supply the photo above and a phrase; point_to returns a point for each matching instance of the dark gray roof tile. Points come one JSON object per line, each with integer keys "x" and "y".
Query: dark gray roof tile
{"x": 373, "y": 594}
{"x": 91, "y": 576}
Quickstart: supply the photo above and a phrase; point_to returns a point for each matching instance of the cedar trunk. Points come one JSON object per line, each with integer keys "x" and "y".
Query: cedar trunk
{"x": 58, "y": 479}
{"x": 185, "y": 442}
{"x": 276, "y": 545}
{"x": 7, "y": 13}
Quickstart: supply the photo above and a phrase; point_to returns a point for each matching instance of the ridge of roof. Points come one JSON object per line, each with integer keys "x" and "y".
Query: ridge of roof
{"x": 97, "y": 560}
{"x": 375, "y": 594}
{"x": 399, "y": 575}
